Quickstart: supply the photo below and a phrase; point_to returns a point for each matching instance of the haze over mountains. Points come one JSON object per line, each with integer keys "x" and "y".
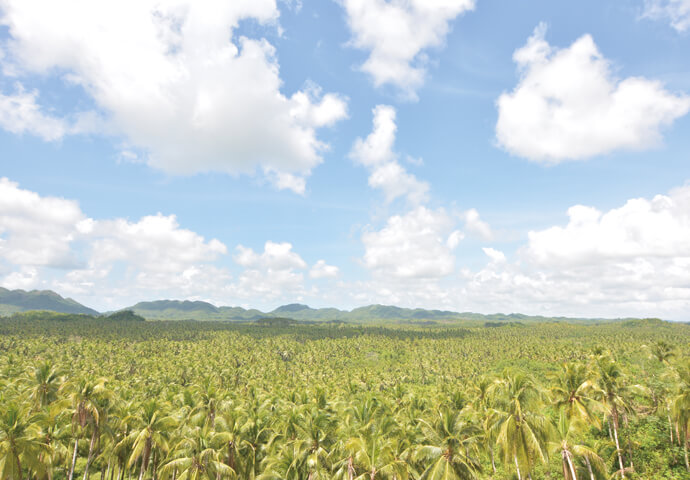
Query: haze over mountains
{"x": 14, "y": 301}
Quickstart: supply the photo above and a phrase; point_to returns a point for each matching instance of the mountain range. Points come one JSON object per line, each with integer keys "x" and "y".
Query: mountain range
{"x": 13, "y": 301}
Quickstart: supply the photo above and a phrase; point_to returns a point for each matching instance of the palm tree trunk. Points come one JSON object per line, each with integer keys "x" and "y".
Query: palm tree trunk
{"x": 16, "y": 459}
{"x": 154, "y": 467}
{"x": 630, "y": 450}
{"x": 572, "y": 467}
{"x": 517, "y": 467}
{"x": 589, "y": 468}
{"x": 618, "y": 446}
{"x": 608, "y": 424}
{"x": 350, "y": 469}
{"x": 493, "y": 462}
{"x": 685, "y": 450}
{"x": 89, "y": 459}
{"x": 74, "y": 460}
{"x": 141, "y": 470}
{"x": 670, "y": 428}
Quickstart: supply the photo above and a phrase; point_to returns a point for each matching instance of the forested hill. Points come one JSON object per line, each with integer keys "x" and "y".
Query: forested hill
{"x": 12, "y": 301}
{"x": 15, "y": 301}
{"x": 186, "y": 310}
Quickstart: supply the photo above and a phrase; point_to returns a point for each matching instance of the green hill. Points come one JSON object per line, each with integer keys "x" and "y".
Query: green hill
{"x": 13, "y": 301}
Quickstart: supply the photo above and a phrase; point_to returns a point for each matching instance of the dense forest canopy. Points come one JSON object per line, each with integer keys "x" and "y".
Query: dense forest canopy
{"x": 91, "y": 398}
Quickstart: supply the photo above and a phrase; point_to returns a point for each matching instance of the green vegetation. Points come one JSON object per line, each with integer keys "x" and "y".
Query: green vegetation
{"x": 118, "y": 398}
{"x": 12, "y": 301}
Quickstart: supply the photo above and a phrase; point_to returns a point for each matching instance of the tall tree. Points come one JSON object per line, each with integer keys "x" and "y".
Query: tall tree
{"x": 522, "y": 430}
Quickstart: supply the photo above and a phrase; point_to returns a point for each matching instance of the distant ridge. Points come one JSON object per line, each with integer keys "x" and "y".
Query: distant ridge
{"x": 12, "y": 301}
{"x": 188, "y": 310}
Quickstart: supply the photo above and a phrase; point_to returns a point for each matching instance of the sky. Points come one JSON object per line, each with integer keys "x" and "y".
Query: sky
{"x": 470, "y": 155}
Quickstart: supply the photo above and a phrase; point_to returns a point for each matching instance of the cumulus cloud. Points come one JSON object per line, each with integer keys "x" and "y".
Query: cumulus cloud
{"x": 569, "y": 106}
{"x": 275, "y": 273}
{"x": 322, "y": 270}
{"x": 417, "y": 245}
{"x": 155, "y": 243}
{"x": 677, "y": 12}
{"x": 642, "y": 228}
{"x": 38, "y": 231}
{"x": 397, "y": 33}
{"x": 20, "y": 114}
{"x": 176, "y": 82}
{"x": 629, "y": 261}
{"x": 40, "y": 235}
{"x": 376, "y": 153}
{"x": 475, "y": 225}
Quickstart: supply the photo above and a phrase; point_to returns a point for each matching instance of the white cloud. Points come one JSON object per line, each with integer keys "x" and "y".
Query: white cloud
{"x": 454, "y": 239}
{"x": 376, "y": 153}
{"x": 416, "y": 245}
{"x": 35, "y": 230}
{"x": 50, "y": 243}
{"x": 322, "y": 270}
{"x": 629, "y": 261}
{"x": 155, "y": 244}
{"x": 677, "y": 12}
{"x": 496, "y": 256}
{"x": 176, "y": 82}
{"x": 26, "y": 278}
{"x": 475, "y": 225}
{"x": 569, "y": 106}
{"x": 20, "y": 114}
{"x": 396, "y": 33}
{"x": 273, "y": 274}
{"x": 44, "y": 238}
{"x": 656, "y": 228}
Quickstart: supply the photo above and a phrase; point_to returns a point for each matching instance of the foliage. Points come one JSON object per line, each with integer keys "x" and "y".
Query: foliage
{"x": 87, "y": 397}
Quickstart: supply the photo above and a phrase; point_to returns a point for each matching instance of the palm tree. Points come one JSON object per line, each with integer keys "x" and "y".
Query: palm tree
{"x": 482, "y": 406}
{"x": 573, "y": 391}
{"x": 55, "y": 433}
{"x": 450, "y": 447}
{"x": 680, "y": 405}
{"x": 616, "y": 395}
{"x": 662, "y": 351}
{"x": 150, "y": 434}
{"x": 373, "y": 452}
{"x": 20, "y": 442}
{"x": 522, "y": 430}
{"x": 564, "y": 443}
{"x": 198, "y": 455}
{"x": 44, "y": 384}
{"x": 86, "y": 398}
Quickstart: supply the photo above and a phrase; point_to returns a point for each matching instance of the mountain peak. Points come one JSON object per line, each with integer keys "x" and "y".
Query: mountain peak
{"x": 292, "y": 307}
{"x": 20, "y": 300}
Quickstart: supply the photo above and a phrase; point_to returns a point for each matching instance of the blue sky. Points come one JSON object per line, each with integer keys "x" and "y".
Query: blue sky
{"x": 460, "y": 154}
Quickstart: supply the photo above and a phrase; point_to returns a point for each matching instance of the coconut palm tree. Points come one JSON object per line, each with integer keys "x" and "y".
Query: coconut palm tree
{"x": 372, "y": 454}
{"x": 88, "y": 401}
{"x": 616, "y": 395}
{"x": 43, "y": 384}
{"x": 521, "y": 429}
{"x": 565, "y": 444}
{"x": 450, "y": 448}
{"x": 150, "y": 434}
{"x": 573, "y": 391}
{"x": 680, "y": 405}
{"x": 198, "y": 455}
{"x": 21, "y": 445}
